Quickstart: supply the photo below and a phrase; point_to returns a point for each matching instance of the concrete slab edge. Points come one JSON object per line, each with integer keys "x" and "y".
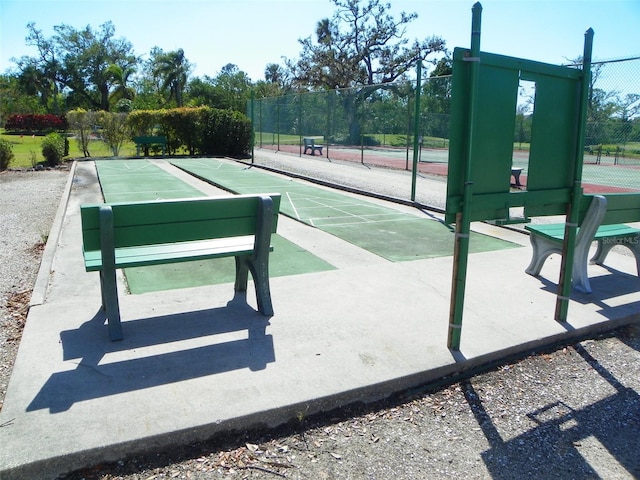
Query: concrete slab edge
{"x": 462, "y": 368}
{"x": 39, "y": 292}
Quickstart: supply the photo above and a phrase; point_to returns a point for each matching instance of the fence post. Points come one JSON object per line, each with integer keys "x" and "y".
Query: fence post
{"x": 416, "y": 131}
{"x": 253, "y": 126}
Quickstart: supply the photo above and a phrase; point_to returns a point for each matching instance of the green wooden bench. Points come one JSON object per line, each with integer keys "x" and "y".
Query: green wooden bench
{"x": 121, "y": 235}
{"x": 600, "y": 221}
{"x": 310, "y": 144}
{"x": 146, "y": 142}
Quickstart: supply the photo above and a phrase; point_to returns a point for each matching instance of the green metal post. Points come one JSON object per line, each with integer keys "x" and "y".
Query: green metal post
{"x": 416, "y": 131}
{"x": 463, "y": 223}
{"x": 326, "y": 137}
{"x": 253, "y": 127}
{"x": 571, "y": 225}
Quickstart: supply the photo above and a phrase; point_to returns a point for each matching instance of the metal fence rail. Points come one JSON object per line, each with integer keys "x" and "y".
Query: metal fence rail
{"x": 377, "y": 125}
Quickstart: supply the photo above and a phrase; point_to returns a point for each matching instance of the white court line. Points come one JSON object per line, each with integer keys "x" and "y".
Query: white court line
{"x": 294, "y": 207}
{"x": 365, "y": 218}
{"x": 349, "y": 224}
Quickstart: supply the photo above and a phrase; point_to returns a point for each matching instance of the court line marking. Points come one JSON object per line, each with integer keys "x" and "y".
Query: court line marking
{"x": 295, "y": 210}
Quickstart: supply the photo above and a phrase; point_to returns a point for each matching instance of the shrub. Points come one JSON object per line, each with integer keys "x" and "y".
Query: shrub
{"x": 6, "y": 154}
{"x": 35, "y": 123}
{"x": 115, "y": 130}
{"x": 83, "y": 124}
{"x": 53, "y": 148}
{"x": 225, "y": 133}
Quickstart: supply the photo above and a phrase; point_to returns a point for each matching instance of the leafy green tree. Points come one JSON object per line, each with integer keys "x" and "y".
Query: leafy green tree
{"x": 234, "y": 87}
{"x": 203, "y": 91}
{"x": 121, "y": 85}
{"x": 172, "y": 69}
{"x": 361, "y": 45}
{"x": 78, "y": 62}
{"x": 13, "y": 99}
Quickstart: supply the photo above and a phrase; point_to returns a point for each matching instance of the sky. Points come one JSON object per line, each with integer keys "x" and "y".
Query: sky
{"x": 254, "y": 33}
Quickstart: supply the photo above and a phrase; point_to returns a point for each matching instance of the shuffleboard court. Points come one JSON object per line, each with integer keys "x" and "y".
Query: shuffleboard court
{"x": 387, "y": 232}
{"x": 141, "y": 180}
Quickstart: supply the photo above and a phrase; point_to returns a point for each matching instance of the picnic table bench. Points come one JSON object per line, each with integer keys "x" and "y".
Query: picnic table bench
{"x": 310, "y": 144}
{"x": 122, "y": 235}
{"x": 599, "y": 223}
{"x": 146, "y": 142}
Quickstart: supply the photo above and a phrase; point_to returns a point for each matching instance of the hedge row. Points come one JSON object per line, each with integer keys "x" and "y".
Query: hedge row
{"x": 197, "y": 131}
{"x": 35, "y": 123}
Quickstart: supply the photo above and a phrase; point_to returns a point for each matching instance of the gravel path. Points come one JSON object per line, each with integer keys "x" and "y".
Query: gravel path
{"x": 572, "y": 412}
{"x": 28, "y": 203}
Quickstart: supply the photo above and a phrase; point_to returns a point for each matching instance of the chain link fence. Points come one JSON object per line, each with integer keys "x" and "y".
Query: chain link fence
{"x": 380, "y": 125}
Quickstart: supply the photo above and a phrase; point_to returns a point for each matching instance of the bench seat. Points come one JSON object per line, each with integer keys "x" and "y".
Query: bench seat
{"x": 141, "y": 256}
{"x": 547, "y": 239}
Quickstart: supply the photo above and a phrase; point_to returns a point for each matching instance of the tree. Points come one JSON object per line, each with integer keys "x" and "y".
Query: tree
{"x": 233, "y": 87}
{"x": 361, "y": 45}
{"x": 14, "y": 99}
{"x": 172, "y": 69}
{"x": 77, "y": 61}
{"x": 121, "y": 90}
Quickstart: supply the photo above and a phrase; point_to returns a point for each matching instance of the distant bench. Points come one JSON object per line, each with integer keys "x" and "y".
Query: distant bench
{"x": 600, "y": 223}
{"x": 146, "y": 142}
{"x": 515, "y": 172}
{"x": 122, "y": 235}
{"x": 310, "y": 144}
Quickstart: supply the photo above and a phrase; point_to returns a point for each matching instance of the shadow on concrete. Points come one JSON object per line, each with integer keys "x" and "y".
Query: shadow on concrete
{"x": 156, "y": 351}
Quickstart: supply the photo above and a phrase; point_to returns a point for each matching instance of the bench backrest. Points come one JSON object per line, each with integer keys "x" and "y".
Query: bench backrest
{"x": 309, "y": 141}
{"x": 621, "y": 207}
{"x": 150, "y": 140}
{"x": 179, "y": 220}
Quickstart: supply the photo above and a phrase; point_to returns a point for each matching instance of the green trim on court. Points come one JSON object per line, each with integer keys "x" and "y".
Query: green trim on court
{"x": 387, "y": 232}
{"x": 140, "y": 180}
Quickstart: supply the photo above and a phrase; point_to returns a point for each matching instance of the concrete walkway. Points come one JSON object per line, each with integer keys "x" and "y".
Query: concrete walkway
{"x": 197, "y": 362}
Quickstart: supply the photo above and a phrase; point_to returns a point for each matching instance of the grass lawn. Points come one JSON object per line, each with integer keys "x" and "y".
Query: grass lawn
{"x": 27, "y": 149}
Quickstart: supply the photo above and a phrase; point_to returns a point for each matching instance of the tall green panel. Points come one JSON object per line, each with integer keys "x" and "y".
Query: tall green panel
{"x": 553, "y": 133}
{"x": 492, "y": 141}
{"x": 459, "y": 137}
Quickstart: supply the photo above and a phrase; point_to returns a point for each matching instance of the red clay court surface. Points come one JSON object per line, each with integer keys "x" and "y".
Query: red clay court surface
{"x": 377, "y": 157}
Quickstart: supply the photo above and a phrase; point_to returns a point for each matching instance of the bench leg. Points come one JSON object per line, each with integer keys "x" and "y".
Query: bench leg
{"x": 632, "y": 243}
{"x": 516, "y": 176}
{"x": 242, "y": 273}
{"x": 542, "y": 248}
{"x": 259, "y": 268}
{"x": 110, "y": 304}
{"x": 258, "y": 262}
{"x": 579, "y": 275}
{"x": 108, "y": 285}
